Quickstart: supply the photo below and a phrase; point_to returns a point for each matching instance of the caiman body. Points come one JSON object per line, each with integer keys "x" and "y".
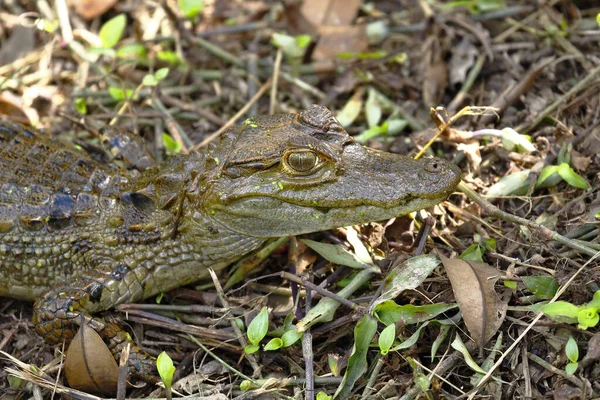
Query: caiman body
{"x": 79, "y": 236}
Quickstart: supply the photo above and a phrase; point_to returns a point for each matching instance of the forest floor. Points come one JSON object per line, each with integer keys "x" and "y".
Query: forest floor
{"x": 396, "y": 75}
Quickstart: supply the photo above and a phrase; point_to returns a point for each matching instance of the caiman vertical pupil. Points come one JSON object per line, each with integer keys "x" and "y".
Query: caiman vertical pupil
{"x": 302, "y": 161}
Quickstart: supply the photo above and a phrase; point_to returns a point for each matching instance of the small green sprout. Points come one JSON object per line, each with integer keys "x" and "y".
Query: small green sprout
{"x": 257, "y": 330}
{"x": 112, "y": 30}
{"x": 572, "y": 352}
{"x": 166, "y": 369}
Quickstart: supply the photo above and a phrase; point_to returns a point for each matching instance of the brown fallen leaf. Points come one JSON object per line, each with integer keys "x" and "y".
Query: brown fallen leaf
{"x": 10, "y": 110}
{"x": 89, "y": 9}
{"x": 330, "y": 12}
{"x": 89, "y": 365}
{"x": 473, "y": 285}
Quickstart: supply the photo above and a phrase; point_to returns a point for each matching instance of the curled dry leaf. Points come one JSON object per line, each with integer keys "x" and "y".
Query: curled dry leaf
{"x": 473, "y": 286}
{"x": 89, "y": 365}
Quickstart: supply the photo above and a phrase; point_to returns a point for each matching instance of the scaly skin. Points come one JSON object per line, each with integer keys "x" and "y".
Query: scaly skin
{"x": 80, "y": 235}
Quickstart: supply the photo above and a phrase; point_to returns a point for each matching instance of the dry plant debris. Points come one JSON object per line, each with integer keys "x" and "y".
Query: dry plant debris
{"x": 374, "y": 324}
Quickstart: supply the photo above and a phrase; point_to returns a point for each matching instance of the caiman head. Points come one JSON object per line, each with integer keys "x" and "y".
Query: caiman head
{"x": 299, "y": 173}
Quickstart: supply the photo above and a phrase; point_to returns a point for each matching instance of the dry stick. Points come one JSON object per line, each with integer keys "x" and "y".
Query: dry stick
{"x": 275, "y": 81}
{"x": 63, "y": 17}
{"x": 582, "y": 84}
{"x": 544, "y": 232}
{"x": 545, "y": 364}
{"x": 236, "y": 329}
{"x": 232, "y": 120}
{"x": 173, "y": 126}
{"x": 193, "y": 107}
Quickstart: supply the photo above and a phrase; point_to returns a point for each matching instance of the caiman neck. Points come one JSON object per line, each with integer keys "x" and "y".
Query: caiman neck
{"x": 213, "y": 244}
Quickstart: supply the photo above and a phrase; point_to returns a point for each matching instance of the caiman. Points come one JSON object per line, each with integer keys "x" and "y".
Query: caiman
{"x": 79, "y": 236}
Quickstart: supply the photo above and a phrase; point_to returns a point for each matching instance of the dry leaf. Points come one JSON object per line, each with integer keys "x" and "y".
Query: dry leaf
{"x": 334, "y": 40}
{"x": 579, "y": 161}
{"x": 89, "y": 9}
{"x": 89, "y": 365}
{"x": 330, "y": 12}
{"x": 10, "y": 110}
{"x": 473, "y": 286}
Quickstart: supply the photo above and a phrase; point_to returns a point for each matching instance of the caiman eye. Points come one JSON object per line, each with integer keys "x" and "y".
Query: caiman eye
{"x": 302, "y": 162}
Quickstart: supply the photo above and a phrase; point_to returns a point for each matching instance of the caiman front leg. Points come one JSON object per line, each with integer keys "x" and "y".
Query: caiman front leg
{"x": 58, "y": 314}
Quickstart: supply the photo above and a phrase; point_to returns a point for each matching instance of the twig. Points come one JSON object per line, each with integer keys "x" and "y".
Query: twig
{"x": 63, "y": 17}
{"x": 234, "y": 323}
{"x": 541, "y": 230}
{"x": 582, "y": 84}
{"x": 275, "y": 84}
{"x": 309, "y": 372}
{"x": 545, "y": 364}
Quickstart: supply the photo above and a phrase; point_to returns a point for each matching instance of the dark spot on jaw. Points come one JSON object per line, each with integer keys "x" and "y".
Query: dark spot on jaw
{"x": 95, "y": 291}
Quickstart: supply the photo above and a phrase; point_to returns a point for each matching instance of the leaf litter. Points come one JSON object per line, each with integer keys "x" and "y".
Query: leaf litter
{"x": 382, "y": 66}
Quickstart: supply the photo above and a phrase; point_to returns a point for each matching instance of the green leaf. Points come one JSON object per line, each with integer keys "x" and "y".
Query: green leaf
{"x": 473, "y": 253}
{"x": 360, "y": 250}
{"x": 422, "y": 382}
{"x": 571, "y": 177}
{"x": 251, "y": 348}
{"x": 408, "y": 275}
{"x": 161, "y": 74}
{"x": 595, "y": 301}
{"x": 373, "y": 109}
{"x": 545, "y": 174}
{"x": 149, "y": 80}
{"x": 259, "y": 326}
{"x": 598, "y": 19}
{"x": 374, "y": 55}
{"x": 588, "y": 318}
{"x": 510, "y": 284}
{"x": 303, "y": 40}
{"x": 165, "y": 368}
{"x": 133, "y": 50}
{"x": 570, "y": 368}
{"x": 335, "y": 254}
{"x": 357, "y": 363}
{"x": 112, "y": 30}
{"x": 274, "y": 344}
{"x": 386, "y": 338}
{"x": 542, "y": 287}
{"x": 389, "y": 312}
{"x": 13, "y": 381}
{"x": 120, "y": 94}
{"x": 459, "y": 346}
{"x": 323, "y": 396}
{"x": 333, "y": 363}
{"x": 561, "y": 311}
{"x": 171, "y": 145}
{"x": 80, "y": 105}
{"x": 288, "y": 44}
{"x": 512, "y": 139}
{"x": 246, "y": 385}
{"x": 290, "y": 337}
{"x": 516, "y": 183}
{"x": 412, "y": 340}
{"x": 191, "y": 8}
{"x": 572, "y": 350}
{"x": 170, "y": 57}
